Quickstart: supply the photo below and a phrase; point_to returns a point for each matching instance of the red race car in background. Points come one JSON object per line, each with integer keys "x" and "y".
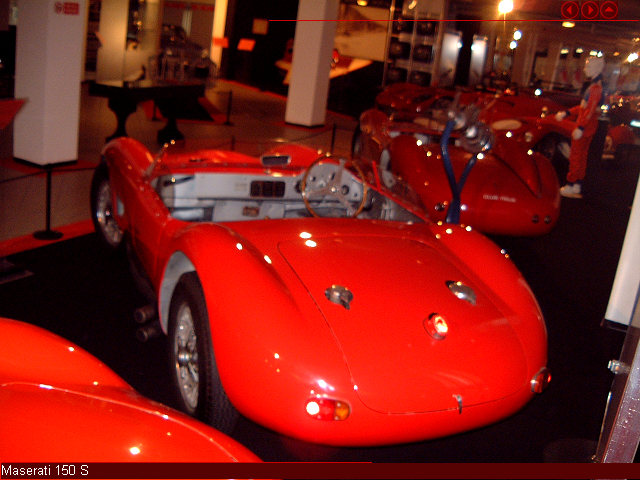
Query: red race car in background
{"x": 624, "y": 125}
{"x": 409, "y": 98}
{"x": 509, "y": 190}
{"x": 545, "y": 134}
{"x": 60, "y": 404}
{"x": 318, "y": 301}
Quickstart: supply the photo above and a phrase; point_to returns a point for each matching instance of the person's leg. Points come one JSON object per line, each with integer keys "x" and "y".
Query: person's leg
{"x": 577, "y": 168}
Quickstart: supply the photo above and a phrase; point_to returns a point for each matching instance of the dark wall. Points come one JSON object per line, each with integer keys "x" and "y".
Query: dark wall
{"x": 257, "y": 67}
{"x": 468, "y": 29}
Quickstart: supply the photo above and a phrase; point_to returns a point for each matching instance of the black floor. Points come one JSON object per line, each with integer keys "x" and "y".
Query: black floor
{"x": 80, "y": 293}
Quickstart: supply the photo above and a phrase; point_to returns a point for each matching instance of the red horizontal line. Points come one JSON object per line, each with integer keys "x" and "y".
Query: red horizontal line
{"x": 463, "y": 20}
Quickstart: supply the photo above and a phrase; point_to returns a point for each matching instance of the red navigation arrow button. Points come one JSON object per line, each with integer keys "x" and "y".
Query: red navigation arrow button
{"x": 589, "y": 10}
{"x": 569, "y": 9}
{"x": 609, "y": 9}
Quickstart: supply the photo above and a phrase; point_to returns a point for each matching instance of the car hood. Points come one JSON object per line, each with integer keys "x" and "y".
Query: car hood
{"x": 397, "y": 282}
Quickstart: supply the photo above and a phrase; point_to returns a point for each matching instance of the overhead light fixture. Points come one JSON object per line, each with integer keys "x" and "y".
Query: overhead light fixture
{"x": 362, "y": 3}
{"x": 505, "y": 6}
{"x": 567, "y": 24}
{"x": 517, "y": 35}
{"x": 513, "y": 45}
{"x": 564, "y": 51}
{"x": 632, "y": 57}
{"x": 579, "y": 50}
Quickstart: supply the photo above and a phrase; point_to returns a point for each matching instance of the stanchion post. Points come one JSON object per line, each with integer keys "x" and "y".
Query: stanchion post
{"x": 333, "y": 137}
{"x": 48, "y": 234}
{"x": 229, "y": 102}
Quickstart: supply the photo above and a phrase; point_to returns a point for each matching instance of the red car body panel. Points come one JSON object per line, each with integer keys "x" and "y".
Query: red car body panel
{"x": 60, "y": 404}
{"x": 279, "y": 341}
{"x": 509, "y": 191}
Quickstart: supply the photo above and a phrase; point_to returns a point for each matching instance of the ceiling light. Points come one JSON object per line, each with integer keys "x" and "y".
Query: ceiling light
{"x": 505, "y": 6}
{"x": 568, "y": 24}
{"x": 517, "y": 35}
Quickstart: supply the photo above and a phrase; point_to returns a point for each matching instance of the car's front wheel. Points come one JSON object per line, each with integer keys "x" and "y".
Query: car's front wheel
{"x": 197, "y": 385}
{"x": 102, "y": 209}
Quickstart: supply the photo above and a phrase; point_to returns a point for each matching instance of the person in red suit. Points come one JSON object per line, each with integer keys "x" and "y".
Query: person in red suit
{"x": 588, "y": 111}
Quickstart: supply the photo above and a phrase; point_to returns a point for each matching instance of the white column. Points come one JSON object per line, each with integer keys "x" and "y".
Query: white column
{"x": 627, "y": 280}
{"x": 312, "y": 49}
{"x": 113, "y": 37}
{"x": 49, "y": 51}
{"x": 219, "y": 24}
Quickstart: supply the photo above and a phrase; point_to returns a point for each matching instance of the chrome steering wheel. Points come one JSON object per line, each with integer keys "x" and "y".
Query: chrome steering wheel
{"x": 328, "y": 176}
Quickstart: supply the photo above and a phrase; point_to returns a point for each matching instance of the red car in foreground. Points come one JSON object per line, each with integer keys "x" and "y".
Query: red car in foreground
{"x": 60, "y": 404}
{"x": 303, "y": 293}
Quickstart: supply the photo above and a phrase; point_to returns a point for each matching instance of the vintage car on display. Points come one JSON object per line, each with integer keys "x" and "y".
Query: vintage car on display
{"x": 278, "y": 304}
{"x": 545, "y": 134}
{"x": 623, "y": 113}
{"x": 510, "y": 190}
{"x": 495, "y": 105}
{"x": 61, "y": 404}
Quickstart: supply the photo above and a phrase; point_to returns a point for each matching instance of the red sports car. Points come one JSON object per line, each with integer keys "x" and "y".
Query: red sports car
{"x": 410, "y": 98}
{"x": 509, "y": 191}
{"x": 305, "y": 294}
{"x": 60, "y": 404}
{"x": 543, "y": 133}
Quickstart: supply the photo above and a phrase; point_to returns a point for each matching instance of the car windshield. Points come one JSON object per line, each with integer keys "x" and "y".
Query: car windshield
{"x": 329, "y": 187}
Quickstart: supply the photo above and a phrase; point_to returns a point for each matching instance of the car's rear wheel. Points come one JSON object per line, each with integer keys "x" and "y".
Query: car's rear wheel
{"x": 197, "y": 385}
{"x": 102, "y": 209}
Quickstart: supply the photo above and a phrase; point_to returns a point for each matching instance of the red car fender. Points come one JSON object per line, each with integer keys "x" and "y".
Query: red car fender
{"x": 258, "y": 329}
{"x": 49, "y": 358}
{"x": 130, "y": 151}
{"x": 414, "y": 160}
{"x": 526, "y": 167}
{"x": 59, "y": 403}
{"x": 499, "y": 274}
{"x": 620, "y": 135}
